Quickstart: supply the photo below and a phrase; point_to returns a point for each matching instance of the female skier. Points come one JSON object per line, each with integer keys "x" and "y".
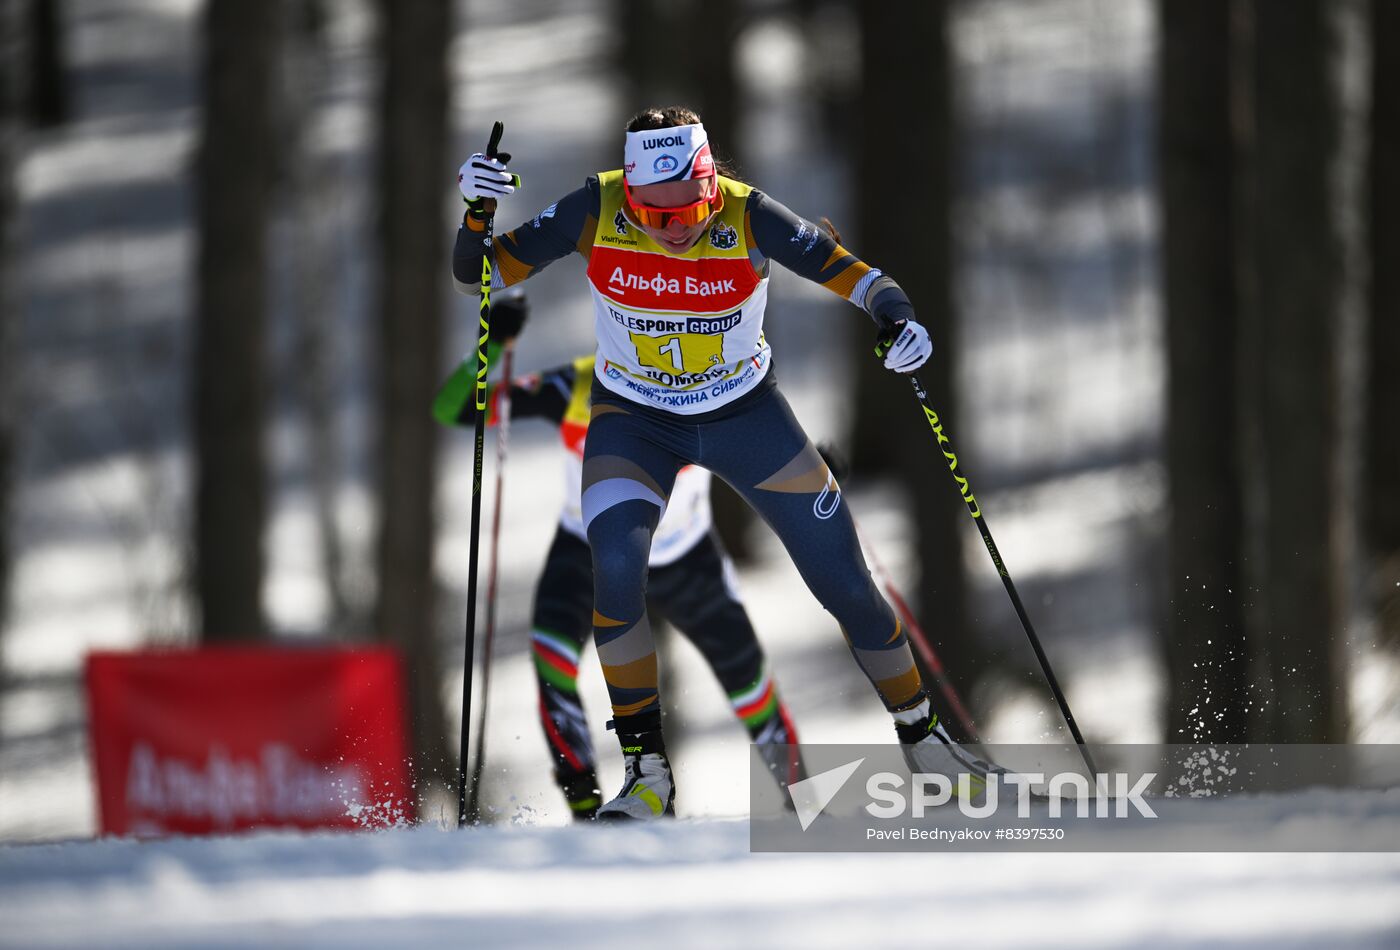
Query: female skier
{"x": 678, "y": 258}
{"x": 691, "y": 584}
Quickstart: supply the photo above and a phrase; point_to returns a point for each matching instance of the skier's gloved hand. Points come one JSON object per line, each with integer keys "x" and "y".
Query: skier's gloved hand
{"x": 484, "y": 177}
{"x": 905, "y": 347}
{"x": 508, "y": 316}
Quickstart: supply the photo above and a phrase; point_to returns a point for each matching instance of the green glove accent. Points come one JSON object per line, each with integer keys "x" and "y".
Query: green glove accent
{"x": 452, "y": 406}
{"x": 886, "y": 339}
{"x": 453, "y": 403}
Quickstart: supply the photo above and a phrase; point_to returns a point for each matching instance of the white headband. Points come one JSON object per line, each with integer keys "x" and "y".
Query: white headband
{"x": 673, "y": 154}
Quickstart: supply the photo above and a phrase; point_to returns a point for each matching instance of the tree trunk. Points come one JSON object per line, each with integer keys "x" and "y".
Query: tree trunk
{"x": 829, "y": 68}
{"x": 1290, "y": 334}
{"x": 316, "y": 186}
{"x": 713, "y": 77}
{"x": 701, "y": 74}
{"x": 1206, "y": 649}
{"x": 1381, "y": 471}
{"x": 641, "y": 28}
{"x": 706, "y": 80}
{"x": 412, "y": 177}
{"x": 47, "y": 96}
{"x": 10, "y": 144}
{"x": 236, "y": 165}
{"x": 905, "y": 58}
{"x": 9, "y": 298}
{"x": 713, "y": 88}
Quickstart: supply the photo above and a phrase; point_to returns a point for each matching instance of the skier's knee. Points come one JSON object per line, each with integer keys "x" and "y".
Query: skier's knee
{"x": 615, "y": 564}
{"x": 845, "y": 592}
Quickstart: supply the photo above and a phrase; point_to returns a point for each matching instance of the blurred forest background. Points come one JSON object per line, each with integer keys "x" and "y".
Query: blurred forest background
{"x": 1156, "y": 246}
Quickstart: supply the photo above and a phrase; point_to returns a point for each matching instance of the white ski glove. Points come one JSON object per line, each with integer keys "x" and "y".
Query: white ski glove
{"x": 482, "y": 177}
{"x": 911, "y": 348}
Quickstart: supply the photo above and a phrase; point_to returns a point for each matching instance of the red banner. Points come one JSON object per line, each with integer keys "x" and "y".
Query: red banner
{"x": 226, "y": 739}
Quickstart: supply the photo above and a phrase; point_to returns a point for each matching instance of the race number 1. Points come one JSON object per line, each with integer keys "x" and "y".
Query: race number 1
{"x": 680, "y": 353}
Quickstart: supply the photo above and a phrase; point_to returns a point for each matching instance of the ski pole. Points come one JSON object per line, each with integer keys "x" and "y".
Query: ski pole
{"x": 479, "y": 428}
{"x": 920, "y": 640}
{"x": 975, "y": 510}
{"x": 502, "y": 436}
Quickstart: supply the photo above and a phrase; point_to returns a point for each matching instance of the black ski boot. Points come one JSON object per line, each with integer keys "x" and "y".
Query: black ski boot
{"x": 581, "y": 792}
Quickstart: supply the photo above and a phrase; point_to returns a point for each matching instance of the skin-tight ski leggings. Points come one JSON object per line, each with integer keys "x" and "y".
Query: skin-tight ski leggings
{"x": 757, "y": 446}
{"x": 696, "y": 594}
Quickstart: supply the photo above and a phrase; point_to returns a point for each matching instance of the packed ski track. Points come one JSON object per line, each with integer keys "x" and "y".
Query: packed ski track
{"x": 687, "y": 883}
{"x": 1060, "y": 429}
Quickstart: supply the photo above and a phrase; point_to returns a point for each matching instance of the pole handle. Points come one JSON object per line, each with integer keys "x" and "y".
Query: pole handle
{"x": 887, "y": 333}
{"x": 493, "y": 149}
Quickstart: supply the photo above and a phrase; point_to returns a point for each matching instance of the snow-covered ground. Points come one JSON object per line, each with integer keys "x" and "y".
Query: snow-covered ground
{"x": 690, "y": 883}
{"x": 1060, "y": 346}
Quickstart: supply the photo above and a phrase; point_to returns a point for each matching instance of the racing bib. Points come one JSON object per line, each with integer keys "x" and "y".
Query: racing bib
{"x": 680, "y": 332}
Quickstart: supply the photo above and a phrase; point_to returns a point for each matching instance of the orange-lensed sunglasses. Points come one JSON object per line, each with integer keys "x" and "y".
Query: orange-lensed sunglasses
{"x": 688, "y": 215}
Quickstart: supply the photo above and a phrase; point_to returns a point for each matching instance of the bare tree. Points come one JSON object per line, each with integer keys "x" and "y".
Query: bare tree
{"x": 714, "y": 73}
{"x": 702, "y": 75}
{"x": 1205, "y": 643}
{"x": 236, "y": 168}
{"x": 1381, "y": 472}
{"x": 9, "y": 305}
{"x": 906, "y": 59}
{"x": 711, "y": 83}
{"x": 641, "y": 27}
{"x": 1289, "y": 340}
{"x": 412, "y": 172}
{"x": 10, "y": 43}
{"x": 47, "y": 96}
{"x": 315, "y": 186}
{"x": 705, "y": 77}
{"x": 830, "y": 70}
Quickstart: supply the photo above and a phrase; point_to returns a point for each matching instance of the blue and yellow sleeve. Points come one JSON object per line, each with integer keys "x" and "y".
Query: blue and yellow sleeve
{"x": 564, "y": 227}
{"x": 809, "y": 251}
